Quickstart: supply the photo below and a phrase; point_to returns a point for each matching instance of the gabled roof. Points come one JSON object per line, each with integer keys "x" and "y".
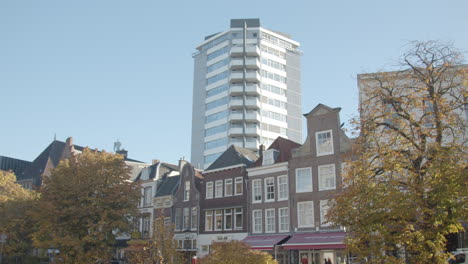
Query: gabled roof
{"x": 49, "y": 159}
{"x": 321, "y": 109}
{"x": 284, "y": 146}
{"x": 152, "y": 171}
{"x": 15, "y": 165}
{"x": 168, "y": 186}
{"x": 234, "y": 155}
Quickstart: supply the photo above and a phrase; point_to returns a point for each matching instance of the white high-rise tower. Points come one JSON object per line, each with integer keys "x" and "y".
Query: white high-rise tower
{"x": 246, "y": 90}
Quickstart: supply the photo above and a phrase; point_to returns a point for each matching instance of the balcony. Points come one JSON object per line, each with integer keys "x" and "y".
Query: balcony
{"x": 235, "y": 131}
{"x": 252, "y": 103}
{"x": 252, "y": 131}
{"x": 234, "y": 103}
{"x": 252, "y": 116}
{"x": 235, "y": 116}
{"x": 250, "y": 63}
{"x": 252, "y": 89}
{"x": 250, "y": 50}
{"x": 250, "y": 76}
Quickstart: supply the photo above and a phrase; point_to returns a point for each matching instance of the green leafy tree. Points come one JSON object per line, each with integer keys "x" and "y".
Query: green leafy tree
{"x": 161, "y": 248}
{"x": 236, "y": 252}
{"x": 16, "y": 225}
{"x": 406, "y": 183}
{"x": 85, "y": 203}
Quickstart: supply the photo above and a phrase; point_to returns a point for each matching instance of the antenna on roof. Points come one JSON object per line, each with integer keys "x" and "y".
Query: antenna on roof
{"x": 55, "y": 136}
{"x": 117, "y": 145}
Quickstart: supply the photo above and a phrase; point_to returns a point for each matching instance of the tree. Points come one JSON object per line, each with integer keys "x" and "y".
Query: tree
{"x": 236, "y": 252}
{"x": 85, "y": 203}
{"x": 160, "y": 249}
{"x": 406, "y": 180}
{"x": 16, "y": 226}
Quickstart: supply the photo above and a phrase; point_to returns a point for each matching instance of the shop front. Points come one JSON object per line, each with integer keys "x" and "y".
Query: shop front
{"x": 270, "y": 244}
{"x": 317, "y": 248}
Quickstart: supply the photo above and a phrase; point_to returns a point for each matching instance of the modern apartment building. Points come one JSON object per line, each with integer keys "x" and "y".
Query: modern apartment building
{"x": 246, "y": 90}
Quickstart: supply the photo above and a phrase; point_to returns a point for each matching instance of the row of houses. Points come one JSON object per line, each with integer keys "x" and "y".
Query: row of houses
{"x": 274, "y": 200}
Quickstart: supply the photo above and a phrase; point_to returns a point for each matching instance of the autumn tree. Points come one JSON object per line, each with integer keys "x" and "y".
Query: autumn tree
{"x": 236, "y": 252}
{"x": 406, "y": 182}
{"x": 160, "y": 248}
{"x": 85, "y": 203}
{"x": 16, "y": 225}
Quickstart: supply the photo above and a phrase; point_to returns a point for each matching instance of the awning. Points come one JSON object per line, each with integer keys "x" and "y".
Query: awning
{"x": 331, "y": 240}
{"x": 264, "y": 242}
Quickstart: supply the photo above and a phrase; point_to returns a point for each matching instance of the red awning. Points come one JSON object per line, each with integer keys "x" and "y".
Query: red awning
{"x": 264, "y": 242}
{"x": 331, "y": 240}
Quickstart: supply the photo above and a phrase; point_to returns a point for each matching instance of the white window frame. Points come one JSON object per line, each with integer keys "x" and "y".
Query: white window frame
{"x": 298, "y": 186}
{"x": 187, "y": 191}
{"x": 309, "y": 213}
{"x": 208, "y": 215}
{"x": 147, "y": 194}
{"x": 236, "y": 181}
{"x": 238, "y": 211}
{"x": 186, "y": 218}
{"x": 323, "y": 179}
{"x": 283, "y": 194}
{"x": 270, "y": 223}
{"x": 268, "y": 157}
{"x": 257, "y": 221}
{"x": 209, "y": 190}
{"x": 324, "y": 207}
{"x": 228, "y": 182}
{"x": 194, "y": 218}
{"x": 283, "y": 219}
{"x": 317, "y": 143}
{"x": 256, "y": 190}
{"x": 227, "y": 212}
{"x": 219, "y": 189}
{"x": 267, "y": 184}
{"x": 216, "y": 218}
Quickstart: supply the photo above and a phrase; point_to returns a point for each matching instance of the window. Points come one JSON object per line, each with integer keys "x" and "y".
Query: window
{"x": 270, "y": 221}
{"x": 209, "y": 190}
{"x": 327, "y": 178}
{"x": 270, "y": 189}
{"x": 282, "y": 187}
{"x": 194, "y": 218}
{"x": 178, "y": 218}
{"x": 186, "y": 218}
{"x": 238, "y": 218}
{"x": 209, "y": 221}
{"x": 283, "y": 218}
{"x": 238, "y": 186}
{"x": 268, "y": 157}
{"x": 187, "y": 191}
{"x": 428, "y": 118}
{"x": 228, "y": 219}
{"x": 216, "y": 143}
{"x": 215, "y": 130}
{"x": 257, "y": 191}
{"x": 145, "y": 231}
{"x": 323, "y": 212}
{"x": 219, "y": 189}
{"x": 228, "y": 187}
{"x": 303, "y": 180}
{"x": 257, "y": 221}
{"x": 147, "y": 196}
{"x": 216, "y": 116}
{"x": 305, "y": 214}
{"x": 324, "y": 141}
{"x": 217, "y": 77}
{"x": 218, "y": 219}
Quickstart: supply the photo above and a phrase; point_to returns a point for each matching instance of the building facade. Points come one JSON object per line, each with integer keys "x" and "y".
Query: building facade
{"x": 315, "y": 178}
{"x": 246, "y": 90}
{"x": 223, "y": 201}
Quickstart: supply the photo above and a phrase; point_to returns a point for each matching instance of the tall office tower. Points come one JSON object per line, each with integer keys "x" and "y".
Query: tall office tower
{"x": 246, "y": 90}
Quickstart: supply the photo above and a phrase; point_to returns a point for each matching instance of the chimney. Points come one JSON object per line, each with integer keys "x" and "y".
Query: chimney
{"x": 182, "y": 162}
{"x": 122, "y": 152}
{"x": 261, "y": 148}
{"x": 155, "y": 161}
{"x": 69, "y": 141}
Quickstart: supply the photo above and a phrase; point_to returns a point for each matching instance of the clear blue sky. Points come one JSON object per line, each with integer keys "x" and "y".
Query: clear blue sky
{"x": 108, "y": 69}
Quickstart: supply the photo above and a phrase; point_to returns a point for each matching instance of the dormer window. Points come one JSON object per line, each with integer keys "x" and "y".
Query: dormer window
{"x": 269, "y": 156}
{"x": 187, "y": 191}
